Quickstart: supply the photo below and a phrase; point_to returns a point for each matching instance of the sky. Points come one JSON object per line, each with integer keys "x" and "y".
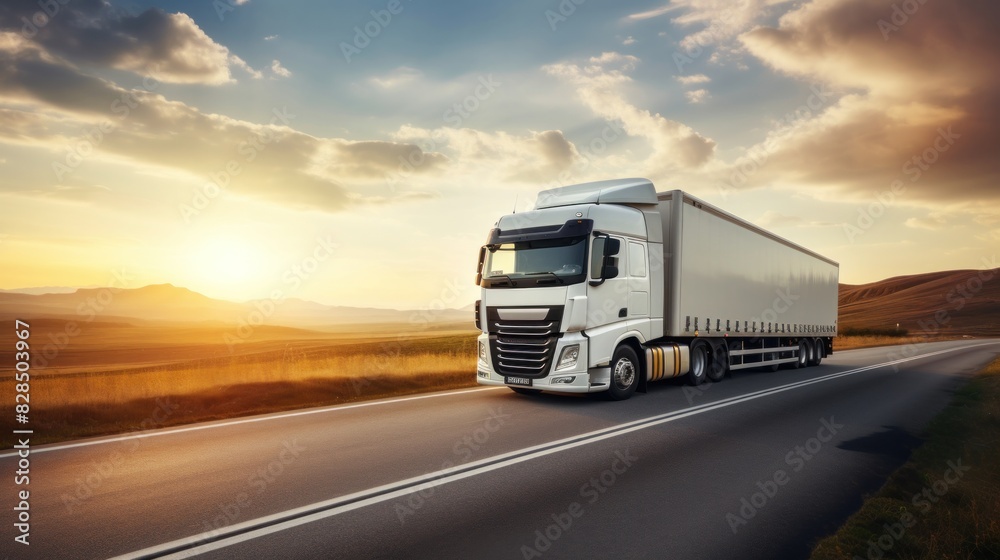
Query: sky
{"x": 357, "y": 153}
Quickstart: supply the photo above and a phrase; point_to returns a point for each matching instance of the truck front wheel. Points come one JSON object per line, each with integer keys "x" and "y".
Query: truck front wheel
{"x": 625, "y": 373}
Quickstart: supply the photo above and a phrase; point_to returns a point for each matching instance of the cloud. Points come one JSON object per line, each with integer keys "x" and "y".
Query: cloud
{"x": 630, "y": 40}
{"x": 73, "y": 193}
{"x": 241, "y": 64}
{"x": 370, "y": 159}
{"x": 918, "y": 106}
{"x": 280, "y": 70}
{"x": 625, "y": 62}
{"x": 721, "y": 21}
{"x": 271, "y": 37}
{"x": 59, "y": 108}
{"x": 599, "y": 84}
{"x": 556, "y": 150}
{"x": 397, "y": 77}
{"x": 693, "y": 79}
{"x": 934, "y": 221}
{"x": 168, "y": 47}
{"x": 697, "y": 96}
{"x": 649, "y": 14}
{"x": 497, "y": 156}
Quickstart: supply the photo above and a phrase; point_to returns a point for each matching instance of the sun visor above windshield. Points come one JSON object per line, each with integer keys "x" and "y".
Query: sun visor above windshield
{"x": 572, "y": 228}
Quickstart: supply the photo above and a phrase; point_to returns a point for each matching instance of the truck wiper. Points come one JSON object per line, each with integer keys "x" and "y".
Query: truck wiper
{"x": 501, "y": 276}
{"x": 552, "y": 274}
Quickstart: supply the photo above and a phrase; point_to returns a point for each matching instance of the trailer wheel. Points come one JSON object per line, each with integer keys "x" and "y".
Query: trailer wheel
{"x": 525, "y": 391}
{"x": 698, "y": 370}
{"x": 625, "y": 371}
{"x": 769, "y": 357}
{"x": 817, "y": 354}
{"x": 805, "y": 356}
{"x": 718, "y": 365}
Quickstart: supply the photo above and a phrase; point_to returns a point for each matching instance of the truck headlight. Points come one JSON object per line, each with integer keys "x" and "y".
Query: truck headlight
{"x": 482, "y": 351}
{"x": 569, "y": 357}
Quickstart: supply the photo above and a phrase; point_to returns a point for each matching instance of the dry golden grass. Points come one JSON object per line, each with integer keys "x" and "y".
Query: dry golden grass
{"x": 166, "y": 380}
{"x": 121, "y": 387}
{"x": 854, "y": 342}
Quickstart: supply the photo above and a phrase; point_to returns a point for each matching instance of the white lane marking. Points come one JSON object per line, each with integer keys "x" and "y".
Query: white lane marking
{"x": 254, "y": 528}
{"x": 170, "y": 431}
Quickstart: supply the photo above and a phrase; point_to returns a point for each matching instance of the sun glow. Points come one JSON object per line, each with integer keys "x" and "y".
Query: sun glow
{"x": 228, "y": 263}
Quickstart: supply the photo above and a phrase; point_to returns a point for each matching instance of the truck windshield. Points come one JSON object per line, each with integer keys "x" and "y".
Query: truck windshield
{"x": 539, "y": 262}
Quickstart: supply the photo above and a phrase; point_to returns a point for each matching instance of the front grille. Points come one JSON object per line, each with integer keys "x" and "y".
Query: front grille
{"x": 524, "y": 348}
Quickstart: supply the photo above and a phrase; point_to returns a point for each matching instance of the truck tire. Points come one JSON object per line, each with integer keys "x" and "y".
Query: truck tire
{"x": 805, "y": 355}
{"x": 718, "y": 365}
{"x": 525, "y": 391}
{"x": 768, "y": 357}
{"x": 698, "y": 369}
{"x": 817, "y": 354}
{"x": 625, "y": 372}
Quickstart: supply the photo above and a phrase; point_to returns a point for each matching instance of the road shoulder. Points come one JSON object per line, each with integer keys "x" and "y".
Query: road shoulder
{"x": 943, "y": 502}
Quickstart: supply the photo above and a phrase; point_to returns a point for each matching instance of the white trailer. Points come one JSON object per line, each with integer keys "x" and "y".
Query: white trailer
{"x": 606, "y": 286}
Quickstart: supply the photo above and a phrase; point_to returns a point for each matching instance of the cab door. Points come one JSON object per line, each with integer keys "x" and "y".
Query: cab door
{"x": 608, "y": 297}
{"x": 607, "y": 301}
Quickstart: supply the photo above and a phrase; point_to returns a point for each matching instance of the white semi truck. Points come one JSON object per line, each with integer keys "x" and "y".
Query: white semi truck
{"x": 609, "y": 285}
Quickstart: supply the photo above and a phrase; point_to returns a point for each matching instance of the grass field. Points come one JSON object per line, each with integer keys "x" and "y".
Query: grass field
{"x": 359, "y": 361}
{"x": 945, "y": 502}
{"x": 841, "y": 343}
{"x": 120, "y": 378}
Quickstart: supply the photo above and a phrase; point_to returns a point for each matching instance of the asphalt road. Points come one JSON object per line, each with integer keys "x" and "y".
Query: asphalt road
{"x": 761, "y": 465}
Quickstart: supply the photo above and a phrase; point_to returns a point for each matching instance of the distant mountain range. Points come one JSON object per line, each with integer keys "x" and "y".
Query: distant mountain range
{"x": 949, "y": 302}
{"x": 166, "y": 302}
{"x": 44, "y": 290}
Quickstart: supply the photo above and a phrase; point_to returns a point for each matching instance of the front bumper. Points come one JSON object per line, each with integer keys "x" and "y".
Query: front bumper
{"x": 584, "y": 379}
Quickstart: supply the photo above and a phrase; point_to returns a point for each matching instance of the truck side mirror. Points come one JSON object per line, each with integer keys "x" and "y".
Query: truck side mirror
{"x": 479, "y": 268}
{"x": 611, "y": 247}
{"x": 609, "y": 263}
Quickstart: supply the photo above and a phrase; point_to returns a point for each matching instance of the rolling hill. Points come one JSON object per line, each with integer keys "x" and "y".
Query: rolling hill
{"x": 955, "y": 302}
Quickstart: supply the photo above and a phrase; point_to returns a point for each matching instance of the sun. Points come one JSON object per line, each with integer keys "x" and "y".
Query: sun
{"x": 228, "y": 263}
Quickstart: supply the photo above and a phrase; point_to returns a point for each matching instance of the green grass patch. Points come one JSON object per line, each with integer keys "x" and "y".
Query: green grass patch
{"x": 945, "y": 502}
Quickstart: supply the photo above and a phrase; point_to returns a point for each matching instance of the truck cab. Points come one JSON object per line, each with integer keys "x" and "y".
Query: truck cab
{"x": 566, "y": 284}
